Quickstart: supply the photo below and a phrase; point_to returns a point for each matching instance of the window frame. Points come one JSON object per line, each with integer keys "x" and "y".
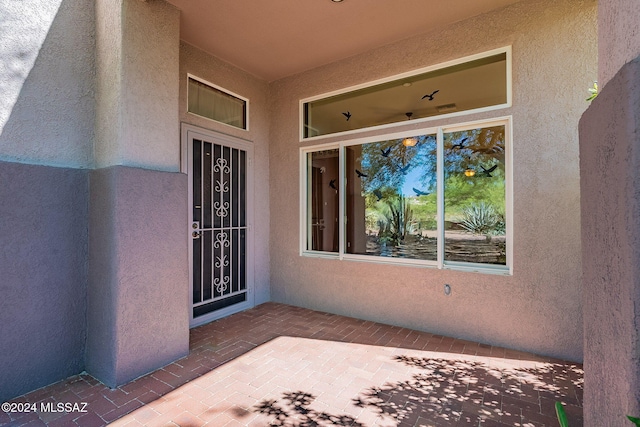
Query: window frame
{"x": 441, "y": 264}
{"x": 221, "y": 89}
{"x": 505, "y": 49}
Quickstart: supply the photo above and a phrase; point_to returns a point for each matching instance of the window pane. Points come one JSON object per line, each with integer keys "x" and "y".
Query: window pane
{"x": 391, "y": 199}
{"x": 466, "y": 86}
{"x": 323, "y": 191}
{"x": 474, "y": 195}
{"x": 212, "y": 103}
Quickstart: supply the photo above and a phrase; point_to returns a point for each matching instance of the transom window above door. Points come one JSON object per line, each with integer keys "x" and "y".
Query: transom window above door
{"x": 212, "y": 102}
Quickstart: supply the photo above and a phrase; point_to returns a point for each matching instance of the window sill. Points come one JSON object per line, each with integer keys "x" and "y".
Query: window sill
{"x": 452, "y": 266}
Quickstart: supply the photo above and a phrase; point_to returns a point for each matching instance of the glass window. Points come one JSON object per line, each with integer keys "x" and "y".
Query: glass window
{"x": 323, "y": 192}
{"x": 438, "y": 197}
{"x": 213, "y": 103}
{"x": 391, "y": 198}
{"x": 470, "y": 84}
{"x": 474, "y": 195}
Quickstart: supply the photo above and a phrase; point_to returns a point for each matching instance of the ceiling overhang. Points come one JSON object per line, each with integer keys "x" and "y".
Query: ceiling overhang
{"x": 278, "y": 38}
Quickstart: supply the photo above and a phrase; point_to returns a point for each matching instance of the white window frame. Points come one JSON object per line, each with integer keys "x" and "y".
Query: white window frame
{"x": 506, "y": 50}
{"x": 439, "y": 131}
{"x": 220, "y": 88}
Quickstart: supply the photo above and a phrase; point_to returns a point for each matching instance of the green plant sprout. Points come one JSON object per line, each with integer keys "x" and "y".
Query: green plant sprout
{"x": 564, "y": 422}
{"x": 562, "y": 416}
{"x": 593, "y": 91}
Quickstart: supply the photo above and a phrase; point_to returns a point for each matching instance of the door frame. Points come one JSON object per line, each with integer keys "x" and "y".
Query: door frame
{"x": 189, "y": 132}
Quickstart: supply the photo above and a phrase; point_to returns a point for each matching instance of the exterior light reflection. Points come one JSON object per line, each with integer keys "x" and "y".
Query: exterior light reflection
{"x": 409, "y": 142}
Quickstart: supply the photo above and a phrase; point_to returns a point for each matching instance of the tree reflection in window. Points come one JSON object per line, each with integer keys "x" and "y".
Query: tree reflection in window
{"x": 388, "y": 192}
{"x": 391, "y": 202}
{"x": 474, "y": 195}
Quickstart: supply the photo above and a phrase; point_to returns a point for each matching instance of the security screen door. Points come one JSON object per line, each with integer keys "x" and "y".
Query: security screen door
{"x": 219, "y": 232}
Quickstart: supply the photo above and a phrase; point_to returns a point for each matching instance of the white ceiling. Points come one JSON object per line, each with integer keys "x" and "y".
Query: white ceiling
{"x": 272, "y": 39}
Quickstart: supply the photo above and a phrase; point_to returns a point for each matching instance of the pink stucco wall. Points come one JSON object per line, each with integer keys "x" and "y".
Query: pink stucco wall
{"x": 609, "y": 162}
{"x": 137, "y": 296}
{"x": 618, "y": 36}
{"x": 537, "y": 309}
{"x": 610, "y": 211}
{"x": 137, "y": 291}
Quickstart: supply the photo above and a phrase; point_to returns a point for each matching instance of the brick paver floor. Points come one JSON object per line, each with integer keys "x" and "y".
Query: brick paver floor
{"x": 288, "y": 366}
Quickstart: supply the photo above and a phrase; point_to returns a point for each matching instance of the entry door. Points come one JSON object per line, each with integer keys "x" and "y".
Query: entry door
{"x": 219, "y": 227}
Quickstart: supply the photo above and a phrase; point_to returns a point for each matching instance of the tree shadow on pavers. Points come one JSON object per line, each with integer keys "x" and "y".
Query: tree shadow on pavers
{"x": 293, "y": 410}
{"x": 447, "y": 391}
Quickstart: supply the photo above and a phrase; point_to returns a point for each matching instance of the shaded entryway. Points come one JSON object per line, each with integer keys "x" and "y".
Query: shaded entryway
{"x": 288, "y": 366}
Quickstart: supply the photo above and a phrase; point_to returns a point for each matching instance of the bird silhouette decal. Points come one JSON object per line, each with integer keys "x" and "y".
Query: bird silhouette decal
{"x": 405, "y": 169}
{"x": 460, "y": 145}
{"x": 378, "y": 194}
{"x": 332, "y": 184}
{"x": 430, "y": 95}
{"x": 347, "y": 115}
{"x": 385, "y": 153}
{"x": 360, "y": 174}
{"x": 487, "y": 172}
{"x": 420, "y": 193}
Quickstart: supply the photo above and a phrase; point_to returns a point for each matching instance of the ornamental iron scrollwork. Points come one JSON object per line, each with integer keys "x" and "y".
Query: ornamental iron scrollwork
{"x": 222, "y": 209}
{"x": 222, "y": 186}
{"x": 221, "y": 284}
{"x": 221, "y": 165}
{"x": 222, "y": 261}
{"x": 222, "y": 239}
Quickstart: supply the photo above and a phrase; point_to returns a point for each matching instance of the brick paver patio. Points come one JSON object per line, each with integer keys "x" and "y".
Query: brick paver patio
{"x": 288, "y": 366}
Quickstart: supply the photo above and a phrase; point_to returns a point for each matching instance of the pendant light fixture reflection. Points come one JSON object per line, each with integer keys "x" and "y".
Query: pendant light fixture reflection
{"x": 469, "y": 172}
{"x": 409, "y": 141}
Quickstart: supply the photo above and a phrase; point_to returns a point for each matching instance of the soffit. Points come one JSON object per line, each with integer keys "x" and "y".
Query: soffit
{"x": 272, "y": 39}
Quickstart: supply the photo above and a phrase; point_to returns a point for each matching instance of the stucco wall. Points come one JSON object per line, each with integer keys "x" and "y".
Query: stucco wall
{"x": 137, "y": 84}
{"x": 138, "y": 295}
{"x": 609, "y": 162}
{"x": 138, "y": 267}
{"x": 200, "y": 64}
{"x": 618, "y": 36}
{"x": 610, "y": 187}
{"x": 43, "y": 272}
{"x": 538, "y": 308}
{"x": 47, "y": 82}
{"x": 46, "y": 119}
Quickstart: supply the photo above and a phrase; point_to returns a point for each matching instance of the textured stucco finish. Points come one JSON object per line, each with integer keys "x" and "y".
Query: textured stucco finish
{"x": 138, "y": 272}
{"x": 138, "y": 268}
{"x": 137, "y": 57}
{"x": 198, "y": 63}
{"x": 539, "y": 308}
{"x": 618, "y": 36}
{"x": 47, "y": 82}
{"x": 610, "y": 199}
{"x": 43, "y": 272}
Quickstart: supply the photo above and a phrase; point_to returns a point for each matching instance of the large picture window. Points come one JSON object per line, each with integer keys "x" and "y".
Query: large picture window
{"x": 440, "y": 198}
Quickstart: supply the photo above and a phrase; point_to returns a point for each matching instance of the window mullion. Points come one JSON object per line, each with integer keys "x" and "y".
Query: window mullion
{"x": 440, "y": 194}
{"x": 341, "y": 201}
{"x": 308, "y": 210}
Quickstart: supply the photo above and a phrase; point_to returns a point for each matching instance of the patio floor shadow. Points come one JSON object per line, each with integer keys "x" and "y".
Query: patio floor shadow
{"x": 288, "y": 366}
